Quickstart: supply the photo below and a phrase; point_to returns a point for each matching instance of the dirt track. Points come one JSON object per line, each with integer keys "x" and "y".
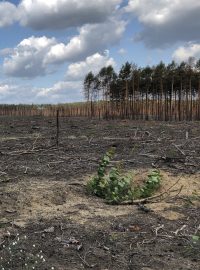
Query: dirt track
{"x": 43, "y": 187}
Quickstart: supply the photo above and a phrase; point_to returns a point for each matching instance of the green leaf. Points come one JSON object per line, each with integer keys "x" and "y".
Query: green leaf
{"x": 195, "y": 238}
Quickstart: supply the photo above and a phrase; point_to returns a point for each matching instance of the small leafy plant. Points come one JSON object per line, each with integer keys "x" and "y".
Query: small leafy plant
{"x": 193, "y": 247}
{"x": 151, "y": 185}
{"x": 111, "y": 186}
{"x": 115, "y": 187}
{"x": 196, "y": 239}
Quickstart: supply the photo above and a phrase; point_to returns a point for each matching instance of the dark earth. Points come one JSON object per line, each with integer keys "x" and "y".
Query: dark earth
{"x": 44, "y": 205}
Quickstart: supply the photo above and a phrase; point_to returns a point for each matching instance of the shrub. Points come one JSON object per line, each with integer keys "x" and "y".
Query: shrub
{"x": 115, "y": 187}
{"x": 111, "y": 186}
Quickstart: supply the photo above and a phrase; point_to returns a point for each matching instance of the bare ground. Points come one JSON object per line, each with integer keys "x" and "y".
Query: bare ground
{"x": 43, "y": 196}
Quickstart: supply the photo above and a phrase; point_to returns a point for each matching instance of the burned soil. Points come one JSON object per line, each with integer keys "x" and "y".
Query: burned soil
{"x": 43, "y": 199}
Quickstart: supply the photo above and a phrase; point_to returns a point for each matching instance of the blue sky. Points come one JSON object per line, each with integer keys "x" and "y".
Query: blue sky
{"x": 47, "y": 47}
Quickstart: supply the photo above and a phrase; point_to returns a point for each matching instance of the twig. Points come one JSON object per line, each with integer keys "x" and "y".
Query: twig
{"x": 56, "y": 162}
{"x": 86, "y": 263}
{"x": 196, "y": 138}
{"x": 159, "y": 228}
{"x": 198, "y": 228}
{"x": 146, "y": 200}
{"x": 25, "y": 172}
{"x": 91, "y": 139}
{"x": 2, "y": 173}
{"x": 2, "y": 243}
{"x": 150, "y": 156}
{"x": 186, "y": 135}
{"x": 179, "y": 230}
{"x": 33, "y": 147}
{"x": 26, "y": 152}
{"x": 136, "y": 133}
{"x": 176, "y": 146}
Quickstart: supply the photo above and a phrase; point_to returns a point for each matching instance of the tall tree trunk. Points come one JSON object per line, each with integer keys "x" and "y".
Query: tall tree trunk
{"x": 179, "y": 101}
{"x": 191, "y": 100}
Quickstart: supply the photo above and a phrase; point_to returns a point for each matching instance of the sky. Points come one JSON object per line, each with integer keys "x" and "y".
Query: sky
{"x": 48, "y": 46}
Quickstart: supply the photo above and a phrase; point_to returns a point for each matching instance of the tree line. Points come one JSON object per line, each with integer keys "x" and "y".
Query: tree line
{"x": 161, "y": 92}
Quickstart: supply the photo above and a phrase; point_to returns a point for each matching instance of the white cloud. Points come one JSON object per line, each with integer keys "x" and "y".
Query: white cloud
{"x": 4, "y": 89}
{"x": 14, "y": 94}
{"x": 183, "y": 53}
{"x": 27, "y": 59}
{"x": 8, "y": 13}
{"x": 152, "y": 11}
{"x": 6, "y": 51}
{"x": 60, "y": 92}
{"x": 122, "y": 51}
{"x": 91, "y": 38}
{"x": 35, "y": 56}
{"x": 92, "y": 63}
{"x": 55, "y": 14}
{"x": 166, "y": 21}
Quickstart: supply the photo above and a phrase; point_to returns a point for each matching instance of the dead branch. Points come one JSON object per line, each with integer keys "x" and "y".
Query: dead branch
{"x": 150, "y": 156}
{"x": 179, "y": 230}
{"x": 176, "y": 146}
{"x": 85, "y": 262}
{"x": 149, "y": 199}
{"x": 159, "y": 228}
{"x": 26, "y": 152}
{"x": 35, "y": 141}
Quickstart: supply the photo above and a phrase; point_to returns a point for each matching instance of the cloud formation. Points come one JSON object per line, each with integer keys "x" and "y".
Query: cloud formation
{"x": 94, "y": 63}
{"x": 57, "y": 14}
{"x": 98, "y": 24}
{"x": 166, "y": 21}
{"x": 91, "y": 38}
{"x": 60, "y": 92}
{"x": 183, "y": 53}
{"x": 8, "y": 14}
{"x": 15, "y": 94}
{"x": 122, "y": 51}
{"x": 35, "y": 56}
{"x": 43, "y": 14}
{"x": 68, "y": 90}
{"x": 27, "y": 59}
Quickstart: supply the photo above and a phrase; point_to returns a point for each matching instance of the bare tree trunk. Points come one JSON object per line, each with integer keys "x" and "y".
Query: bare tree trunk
{"x": 191, "y": 100}
{"x": 179, "y": 101}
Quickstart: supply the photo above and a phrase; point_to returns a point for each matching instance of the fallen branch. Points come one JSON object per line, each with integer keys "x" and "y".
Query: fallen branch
{"x": 150, "y": 156}
{"x": 1, "y": 243}
{"x": 176, "y": 146}
{"x": 149, "y": 199}
{"x": 85, "y": 262}
{"x": 159, "y": 228}
{"x": 35, "y": 141}
{"x": 179, "y": 230}
{"x": 26, "y": 152}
